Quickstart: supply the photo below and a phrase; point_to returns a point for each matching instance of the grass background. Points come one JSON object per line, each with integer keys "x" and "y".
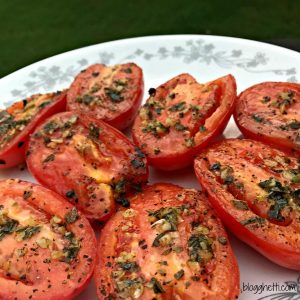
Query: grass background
{"x": 32, "y": 30}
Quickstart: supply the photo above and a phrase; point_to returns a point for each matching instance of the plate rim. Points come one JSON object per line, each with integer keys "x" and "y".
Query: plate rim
{"x": 163, "y": 37}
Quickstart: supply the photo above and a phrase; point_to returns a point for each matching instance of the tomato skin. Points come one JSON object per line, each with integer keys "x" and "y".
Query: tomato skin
{"x": 117, "y": 239}
{"x": 252, "y": 162}
{"x": 261, "y": 114}
{"x": 13, "y": 153}
{"x": 90, "y": 171}
{"x": 124, "y": 111}
{"x": 173, "y": 158}
{"x": 48, "y": 280}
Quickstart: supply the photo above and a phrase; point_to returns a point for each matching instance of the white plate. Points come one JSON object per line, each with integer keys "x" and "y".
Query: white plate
{"x": 161, "y": 58}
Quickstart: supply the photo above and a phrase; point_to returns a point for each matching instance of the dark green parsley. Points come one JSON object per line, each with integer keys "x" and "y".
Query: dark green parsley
{"x": 94, "y": 131}
{"x": 27, "y": 232}
{"x": 7, "y": 226}
{"x": 222, "y": 240}
{"x": 157, "y": 287}
{"x": 241, "y": 205}
{"x": 71, "y": 216}
{"x": 27, "y": 194}
{"x": 114, "y": 95}
{"x": 253, "y": 220}
{"x": 202, "y": 128}
{"x": 179, "y": 274}
{"x": 177, "y": 107}
{"x": 49, "y": 158}
{"x": 257, "y": 118}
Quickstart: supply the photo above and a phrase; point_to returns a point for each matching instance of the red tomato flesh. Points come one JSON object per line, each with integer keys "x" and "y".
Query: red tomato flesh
{"x": 20, "y": 119}
{"x": 109, "y": 93}
{"x": 256, "y": 191}
{"x": 269, "y": 112}
{"x": 181, "y": 117}
{"x": 86, "y": 161}
{"x": 168, "y": 245}
{"x": 47, "y": 247}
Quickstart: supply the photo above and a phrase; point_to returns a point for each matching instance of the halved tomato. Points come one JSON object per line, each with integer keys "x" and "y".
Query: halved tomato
{"x": 168, "y": 245}
{"x": 86, "y": 161}
{"x": 109, "y": 93}
{"x": 181, "y": 117}
{"x": 270, "y": 112}
{"x": 256, "y": 191}
{"x": 20, "y": 119}
{"x": 47, "y": 247}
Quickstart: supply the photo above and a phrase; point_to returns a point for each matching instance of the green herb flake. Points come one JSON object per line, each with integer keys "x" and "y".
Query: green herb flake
{"x": 202, "y": 128}
{"x": 157, "y": 287}
{"x": 222, "y": 240}
{"x": 177, "y": 107}
{"x": 215, "y": 166}
{"x": 25, "y": 233}
{"x": 241, "y": 205}
{"x": 27, "y": 194}
{"x": 257, "y": 118}
{"x": 94, "y": 131}
{"x": 190, "y": 142}
{"x": 156, "y": 151}
{"x": 49, "y": 158}
{"x": 179, "y": 274}
{"x": 253, "y": 220}
{"x": 71, "y": 216}
{"x": 7, "y": 226}
{"x": 179, "y": 127}
{"x": 114, "y": 95}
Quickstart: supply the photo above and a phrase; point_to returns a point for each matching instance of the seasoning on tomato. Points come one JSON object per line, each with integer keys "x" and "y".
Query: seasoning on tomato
{"x": 269, "y": 112}
{"x": 255, "y": 189}
{"x": 168, "y": 245}
{"x": 181, "y": 117}
{"x": 20, "y": 119}
{"x": 47, "y": 246}
{"x": 109, "y": 93}
{"x": 86, "y": 161}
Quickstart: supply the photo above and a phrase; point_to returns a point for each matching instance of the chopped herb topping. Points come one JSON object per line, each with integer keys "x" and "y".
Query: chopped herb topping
{"x": 94, "y": 131}
{"x": 253, "y": 220}
{"x": 179, "y": 274}
{"x": 156, "y": 151}
{"x": 241, "y": 205}
{"x": 137, "y": 163}
{"x": 202, "y": 128}
{"x": 257, "y": 118}
{"x": 114, "y": 95}
{"x": 25, "y": 233}
{"x": 72, "y": 216}
{"x": 27, "y": 194}
{"x": 157, "y": 287}
{"x": 7, "y": 225}
{"x": 222, "y": 240}
{"x": 179, "y": 127}
{"x": 70, "y": 194}
{"x": 200, "y": 248}
{"x": 215, "y": 167}
{"x": 177, "y": 107}
{"x": 190, "y": 142}
{"x": 278, "y": 195}
{"x": 49, "y": 158}
{"x": 266, "y": 99}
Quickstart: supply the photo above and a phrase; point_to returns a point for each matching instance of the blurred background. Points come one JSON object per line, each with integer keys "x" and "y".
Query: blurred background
{"x": 32, "y": 30}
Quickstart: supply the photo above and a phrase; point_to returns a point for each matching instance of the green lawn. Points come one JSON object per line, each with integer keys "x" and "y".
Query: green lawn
{"x": 31, "y": 30}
